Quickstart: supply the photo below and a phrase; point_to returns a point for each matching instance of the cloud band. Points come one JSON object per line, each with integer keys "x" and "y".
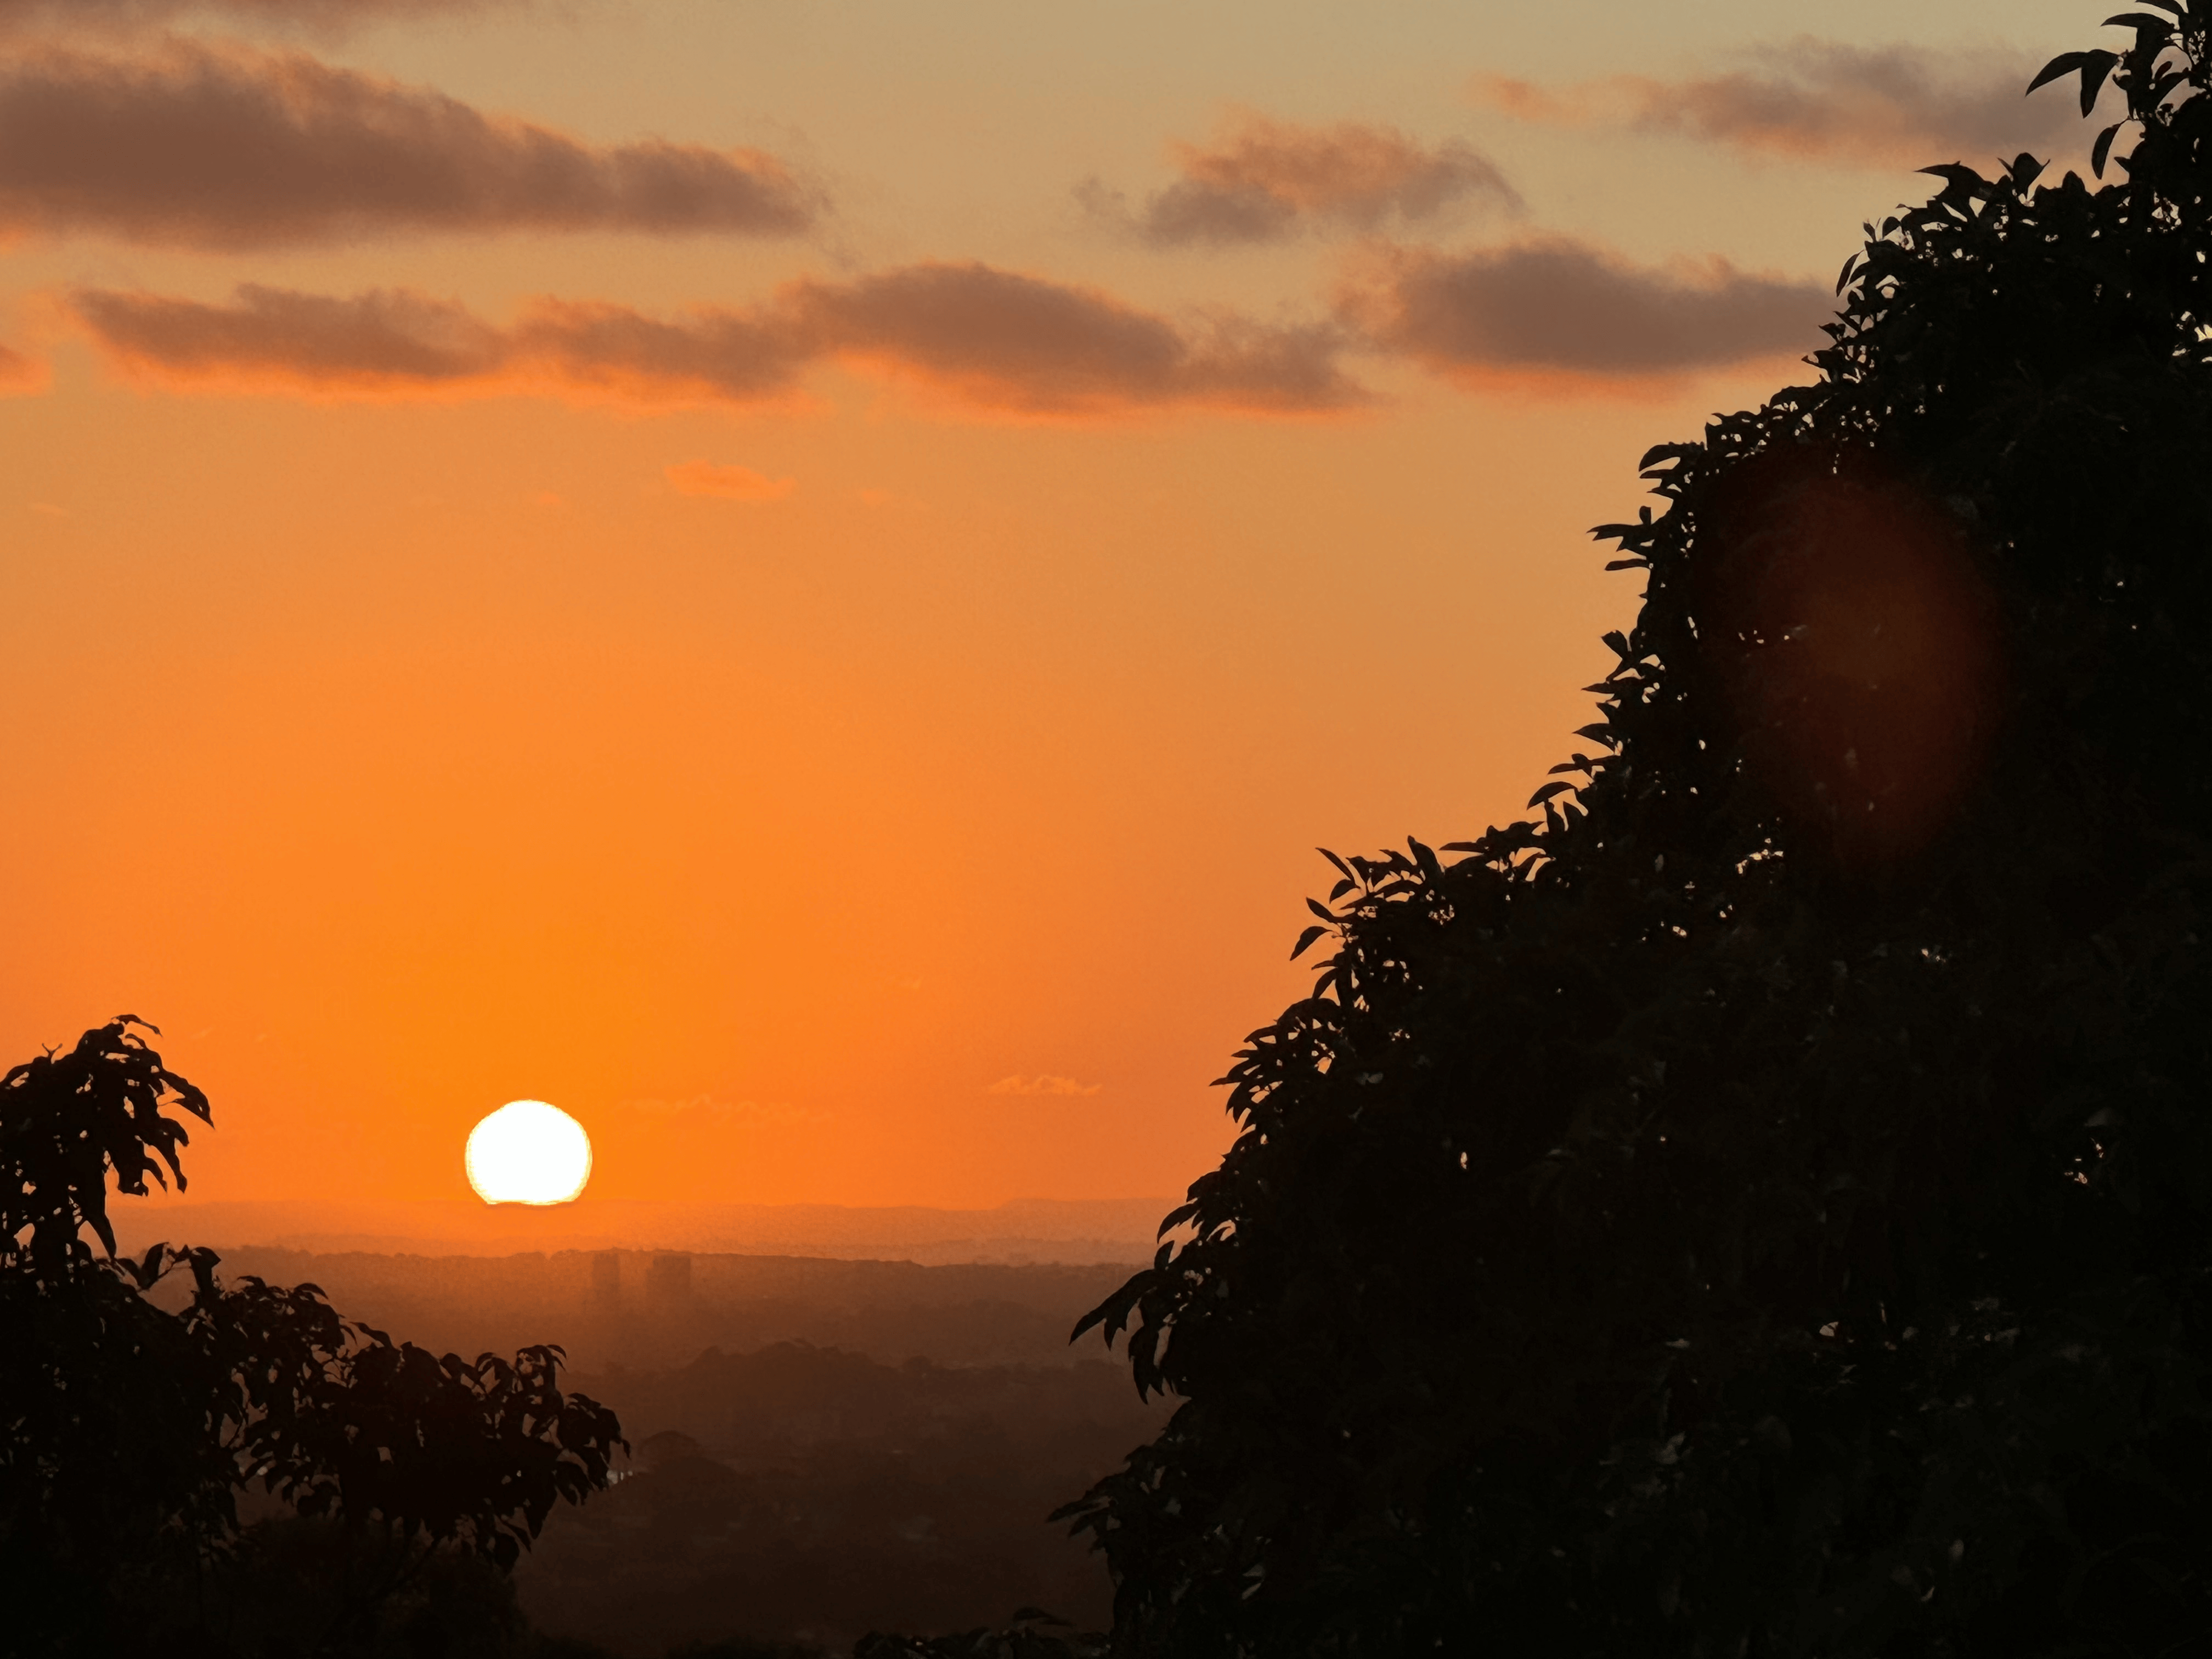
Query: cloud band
{"x": 1261, "y": 180}
{"x": 1555, "y": 305}
{"x": 228, "y": 149}
{"x": 986, "y": 339}
{"x": 1824, "y": 100}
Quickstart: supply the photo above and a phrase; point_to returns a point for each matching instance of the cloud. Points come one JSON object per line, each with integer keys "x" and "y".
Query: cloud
{"x": 1000, "y": 340}
{"x": 1018, "y": 1085}
{"x": 319, "y": 16}
{"x": 987, "y": 340}
{"x": 397, "y": 343}
{"x": 229, "y": 149}
{"x": 381, "y": 341}
{"x": 1553, "y": 306}
{"x": 709, "y": 355}
{"x": 1822, "y": 100}
{"x": 729, "y": 484}
{"x": 1261, "y": 180}
{"x": 20, "y": 376}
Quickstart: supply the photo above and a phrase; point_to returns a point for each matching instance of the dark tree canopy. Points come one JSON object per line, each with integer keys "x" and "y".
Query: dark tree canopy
{"x": 1764, "y": 1206}
{"x": 128, "y": 1428}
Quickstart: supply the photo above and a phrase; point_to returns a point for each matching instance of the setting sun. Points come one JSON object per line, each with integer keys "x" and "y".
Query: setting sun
{"x": 529, "y": 1153}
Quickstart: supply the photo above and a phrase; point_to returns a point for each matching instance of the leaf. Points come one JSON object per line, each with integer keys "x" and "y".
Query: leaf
{"x": 1306, "y": 939}
{"x": 1322, "y": 911}
{"x": 2103, "y": 148}
{"x": 1628, "y": 564}
{"x": 1548, "y": 791}
{"x": 1958, "y": 179}
{"x": 2065, "y": 63}
{"x": 1427, "y": 860}
{"x": 2093, "y": 80}
{"x": 2093, "y": 66}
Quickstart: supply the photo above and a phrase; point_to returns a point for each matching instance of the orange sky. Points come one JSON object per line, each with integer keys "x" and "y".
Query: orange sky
{"x": 802, "y": 579}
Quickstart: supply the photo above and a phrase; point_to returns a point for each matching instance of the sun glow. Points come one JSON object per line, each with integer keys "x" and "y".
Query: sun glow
{"x": 528, "y": 1153}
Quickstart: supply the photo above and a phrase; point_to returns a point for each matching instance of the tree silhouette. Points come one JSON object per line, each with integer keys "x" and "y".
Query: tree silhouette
{"x": 1764, "y": 1205}
{"x": 127, "y": 1430}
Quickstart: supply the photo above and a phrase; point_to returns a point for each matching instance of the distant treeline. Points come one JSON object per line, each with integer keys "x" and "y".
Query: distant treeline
{"x": 807, "y": 1495}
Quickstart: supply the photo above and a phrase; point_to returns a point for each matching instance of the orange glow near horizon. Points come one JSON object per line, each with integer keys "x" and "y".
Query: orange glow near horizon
{"x": 843, "y": 698}
{"x": 768, "y": 836}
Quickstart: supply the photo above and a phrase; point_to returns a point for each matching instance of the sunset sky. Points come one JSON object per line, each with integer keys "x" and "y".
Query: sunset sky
{"x": 801, "y": 577}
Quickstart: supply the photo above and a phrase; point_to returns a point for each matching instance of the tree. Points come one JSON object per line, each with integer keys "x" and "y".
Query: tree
{"x": 1764, "y": 1205}
{"x": 127, "y": 1430}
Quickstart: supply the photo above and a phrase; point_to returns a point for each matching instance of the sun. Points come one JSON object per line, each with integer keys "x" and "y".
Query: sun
{"x": 528, "y": 1153}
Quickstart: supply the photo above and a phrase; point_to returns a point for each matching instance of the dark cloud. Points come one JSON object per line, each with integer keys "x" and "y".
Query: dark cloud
{"x": 391, "y": 342}
{"x": 385, "y": 339}
{"x": 224, "y": 149}
{"x": 1556, "y": 306}
{"x": 1019, "y": 343}
{"x": 1261, "y": 180}
{"x": 707, "y": 356}
{"x": 318, "y": 16}
{"x": 1824, "y": 100}
{"x": 989, "y": 340}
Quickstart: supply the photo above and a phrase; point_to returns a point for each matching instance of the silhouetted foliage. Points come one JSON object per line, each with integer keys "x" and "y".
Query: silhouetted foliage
{"x": 130, "y": 1429}
{"x": 1031, "y": 1633}
{"x": 1765, "y": 1206}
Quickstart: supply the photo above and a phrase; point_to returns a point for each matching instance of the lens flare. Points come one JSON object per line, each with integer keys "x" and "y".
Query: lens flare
{"x": 1857, "y": 642}
{"x": 528, "y": 1153}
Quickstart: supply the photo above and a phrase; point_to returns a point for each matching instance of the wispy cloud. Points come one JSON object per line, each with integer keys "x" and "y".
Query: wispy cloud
{"x": 1018, "y": 1085}
{"x": 1823, "y": 101}
{"x": 1553, "y": 306}
{"x": 982, "y": 339}
{"x": 20, "y": 375}
{"x": 713, "y": 1110}
{"x": 228, "y": 148}
{"x": 1262, "y": 180}
{"x": 729, "y": 484}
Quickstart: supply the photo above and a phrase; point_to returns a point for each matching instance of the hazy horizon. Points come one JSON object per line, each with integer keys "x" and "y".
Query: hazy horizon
{"x": 1020, "y": 1229}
